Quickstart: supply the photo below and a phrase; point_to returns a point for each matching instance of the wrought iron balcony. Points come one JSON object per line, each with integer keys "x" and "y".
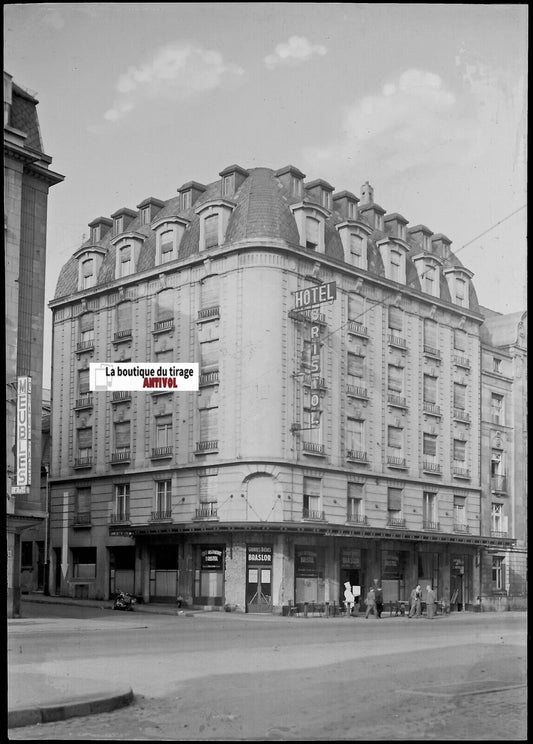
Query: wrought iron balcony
{"x": 159, "y": 516}
{"x": 395, "y": 340}
{"x": 460, "y": 472}
{"x": 461, "y": 361}
{"x": 120, "y": 456}
{"x": 209, "y": 445}
{"x": 208, "y": 511}
{"x": 499, "y": 533}
{"x": 428, "y": 525}
{"x": 432, "y": 351}
{"x": 120, "y": 396}
{"x": 160, "y": 452}
{"x": 359, "y": 455}
{"x": 82, "y": 519}
{"x": 316, "y": 514}
{"x": 431, "y": 467}
{"x": 357, "y": 392}
{"x": 314, "y": 448}
{"x": 460, "y": 527}
{"x": 357, "y": 329}
{"x": 461, "y": 415}
{"x": 397, "y": 400}
{"x": 209, "y": 378}
{"x": 396, "y": 462}
{"x": 85, "y": 345}
{"x": 86, "y": 401}
{"x": 209, "y": 313}
{"x": 395, "y": 522}
{"x": 357, "y": 519}
{"x": 498, "y": 483}
{"x": 83, "y": 462}
{"x": 123, "y": 335}
{"x": 431, "y": 408}
{"x": 163, "y": 325}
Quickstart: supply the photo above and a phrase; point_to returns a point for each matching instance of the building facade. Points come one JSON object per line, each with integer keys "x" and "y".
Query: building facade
{"x": 27, "y": 180}
{"x": 336, "y": 432}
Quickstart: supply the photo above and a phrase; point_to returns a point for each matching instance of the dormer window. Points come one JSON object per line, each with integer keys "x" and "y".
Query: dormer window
{"x": 168, "y": 234}
{"x": 186, "y": 200}
{"x": 228, "y": 185}
{"x": 292, "y": 179}
{"x": 428, "y": 268}
{"x": 356, "y": 249}
{"x": 458, "y": 282}
{"x": 214, "y": 219}
{"x": 320, "y": 191}
{"x": 395, "y": 265}
{"x": 296, "y": 186}
{"x": 95, "y": 234}
{"x": 326, "y": 199}
{"x": 128, "y": 249}
{"x": 145, "y": 216}
{"x": 354, "y": 238}
{"x": 352, "y": 210}
{"x": 99, "y": 228}
{"x": 310, "y": 220}
{"x": 125, "y": 261}
{"x": 393, "y": 254}
{"x": 232, "y": 178}
{"x": 395, "y": 225}
{"x": 89, "y": 262}
{"x": 118, "y": 225}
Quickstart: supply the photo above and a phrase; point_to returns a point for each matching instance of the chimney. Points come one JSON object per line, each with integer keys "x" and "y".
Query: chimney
{"x": 367, "y": 193}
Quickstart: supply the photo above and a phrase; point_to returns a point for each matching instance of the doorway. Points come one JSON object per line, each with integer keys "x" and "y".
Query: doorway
{"x": 355, "y": 577}
{"x": 259, "y": 578}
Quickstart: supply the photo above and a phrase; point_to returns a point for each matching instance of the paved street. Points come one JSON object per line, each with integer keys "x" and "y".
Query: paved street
{"x": 218, "y": 676}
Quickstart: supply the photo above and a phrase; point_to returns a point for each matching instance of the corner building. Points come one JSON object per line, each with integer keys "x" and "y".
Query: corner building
{"x": 326, "y": 444}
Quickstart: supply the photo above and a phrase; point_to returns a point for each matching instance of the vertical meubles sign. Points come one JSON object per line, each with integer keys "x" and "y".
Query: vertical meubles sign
{"x": 23, "y": 431}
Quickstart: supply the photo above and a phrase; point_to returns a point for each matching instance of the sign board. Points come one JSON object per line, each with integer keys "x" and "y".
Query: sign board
{"x": 259, "y": 555}
{"x": 23, "y": 431}
{"x": 315, "y": 295}
{"x": 19, "y": 490}
{"x": 212, "y": 558}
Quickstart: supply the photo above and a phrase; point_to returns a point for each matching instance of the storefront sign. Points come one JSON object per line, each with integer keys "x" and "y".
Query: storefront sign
{"x": 458, "y": 565}
{"x": 259, "y": 555}
{"x": 212, "y": 558}
{"x": 23, "y": 431}
{"x": 306, "y": 562}
{"x": 350, "y": 558}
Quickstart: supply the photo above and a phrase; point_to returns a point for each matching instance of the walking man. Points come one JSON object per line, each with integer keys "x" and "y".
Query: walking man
{"x": 370, "y": 602}
{"x": 430, "y": 602}
{"x": 416, "y": 602}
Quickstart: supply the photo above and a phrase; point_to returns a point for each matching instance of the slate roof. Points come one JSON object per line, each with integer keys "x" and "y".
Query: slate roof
{"x": 262, "y": 211}
{"x": 23, "y": 116}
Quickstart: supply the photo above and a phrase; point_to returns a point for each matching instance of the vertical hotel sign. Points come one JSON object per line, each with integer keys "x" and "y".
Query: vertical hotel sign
{"x": 23, "y": 431}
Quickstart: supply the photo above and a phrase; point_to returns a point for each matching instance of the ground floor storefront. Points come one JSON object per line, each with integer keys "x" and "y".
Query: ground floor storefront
{"x": 265, "y": 570}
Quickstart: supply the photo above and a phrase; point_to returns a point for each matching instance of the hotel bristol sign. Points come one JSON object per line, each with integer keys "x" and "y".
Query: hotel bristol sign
{"x": 310, "y": 296}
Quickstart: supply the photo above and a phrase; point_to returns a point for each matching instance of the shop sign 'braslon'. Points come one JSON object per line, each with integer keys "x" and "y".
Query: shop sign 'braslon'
{"x": 316, "y": 295}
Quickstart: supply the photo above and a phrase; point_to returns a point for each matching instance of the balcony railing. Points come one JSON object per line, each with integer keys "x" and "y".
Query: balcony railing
{"x": 123, "y": 335}
{"x": 397, "y": 400}
{"x": 431, "y": 408}
{"x": 499, "y": 533}
{"x": 121, "y": 395}
{"x": 359, "y": 455}
{"x": 82, "y": 519}
{"x": 207, "y": 445}
{"x": 357, "y": 519}
{"x": 163, "y": 325}
{"x": 357, "y": 329}
{"x": 396, "y": 462}
{"x": 209, "y": 378}
{"x": 85, "y": 345}
{"x": 395, "y": 522}
{"x": 428, "y": 525}
{"x": 209, "y": 313}
{"x": 313, "y": 514}
{"x": 460, "y": 472}
{"x": 119, "y": 456}
{"x": 395, "y": 340}
{"x": 460, "y": 527}
{"x": 160, "y": 452}
{"x": 357, "y": 392}
{"x": 158, "y": 516}
{"x": 432, "y": 351}
{"x": 461, "y": 361}
{"x": 83, "y": 462}
{"x": 498, "y": 483}
{"x": 118, "y": 517}
{"x": 461, "y": 415}
{"x": 314, "y": 448}
{"x": 208, "y": 511}
{"x": 431, "y": 467}
{"x": 86, "y": 401}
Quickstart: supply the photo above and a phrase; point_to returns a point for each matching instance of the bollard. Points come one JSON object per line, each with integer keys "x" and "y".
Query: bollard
{"x": 327, "y": 609}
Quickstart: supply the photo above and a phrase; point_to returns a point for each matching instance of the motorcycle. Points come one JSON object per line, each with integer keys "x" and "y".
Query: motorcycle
{"x": 124, "y": 601}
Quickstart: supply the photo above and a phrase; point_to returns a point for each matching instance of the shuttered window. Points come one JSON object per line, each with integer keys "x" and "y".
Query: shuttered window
{"x": 395, "y": 318}
{"x": 459, "y": 339}
{"x": 87, "y": 322}
{"x": 209, "y": 354}
{"x": 356, "y": 365}
{"x": 211, "y": 230}
{"x": 208, "y": 424}
{"x": 430, "y": 445}
{"x": 394, "y": 499}
{"x": 122, "y": 435}
{"x": 395, "y": 436}
{"x": 312, "y": 227}
{"x": 312, "y": 486}
{"x": 430, "y": 389}
{"x": 209, "y": 292}
{"x": 459, "y": 450}
{"x": 395, "y": 378}
{"x": 356, "y": 308}
{"x": 208, "y": 489}
{"x": 430, "y": 333}
{"x": 167, "y": 246}
{"x": 87, "y": 268}
{"x": 165, "y": 305}
{"x": 83, "y": 381}
{"x": 83, "y": 499}
{"x": 124, "y": 316}
{"x": 459, "y": 395}
{"x": 85, "y": 438}
{"x": 354, "y": 434}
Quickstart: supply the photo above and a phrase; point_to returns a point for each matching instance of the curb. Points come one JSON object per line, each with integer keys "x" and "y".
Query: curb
{"x": 81, "y": 706}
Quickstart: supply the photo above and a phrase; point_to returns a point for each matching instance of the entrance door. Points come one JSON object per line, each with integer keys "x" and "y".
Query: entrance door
{"x": 355, "y": 577}
{"x": 259, "y": 589}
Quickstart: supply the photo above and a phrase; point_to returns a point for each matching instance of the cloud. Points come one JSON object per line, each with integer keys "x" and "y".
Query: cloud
{"x": 296, "y": 50}
{"x": 176, "y": 72}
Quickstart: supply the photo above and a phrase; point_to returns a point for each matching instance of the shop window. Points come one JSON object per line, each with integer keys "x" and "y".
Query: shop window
{"x": 83, "y": 563}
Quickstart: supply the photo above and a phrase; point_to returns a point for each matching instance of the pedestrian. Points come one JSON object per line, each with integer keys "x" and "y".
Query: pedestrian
{"x": 416, "y": 602}
{"x": 370, "y": 602}
{"x": 349, "y": 599}
{"x": 378, "y": 591}
{"x": 430, "y": 602}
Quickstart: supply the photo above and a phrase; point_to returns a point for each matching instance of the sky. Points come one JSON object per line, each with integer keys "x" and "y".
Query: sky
{"x": 425, "y": 101}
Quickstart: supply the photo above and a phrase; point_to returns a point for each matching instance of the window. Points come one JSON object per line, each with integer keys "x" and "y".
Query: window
{"x": 83, "y": 382}
{"x": 459, "y": 511}
{"x": 26, "y": 554}
{"x": 166, "y": 246}
{"x": 228, "y": 185}
{"x": 208, "y": 490}
{"x": 459, "y": 450}
{"x": 498, "y": 573}
{"x": 118, "y": 225}
{"x": 87, "y": 273}
{"x": 122, "y": 436}
{"x": 496, "y": 463}
{"x": 165, "y": 305}
{"x": 86, "y": 327}
{"x": 163, "y": 494}
{"x": 352, "y": 210}
{"x": 355, "y": 435}
{"x": 296, "y": 186}
{"x": 209, "y": 292}
{"x": 186, "y": 200}
{"x": 356, "y": 365}
{"x": 356, "y": 308}
{"x": 429, "y": 508}
{"x": 459, "y": 395}
{"x": 209, "y": 425}
{"x": 84, "y": 563}
{"x": 395, "y": 265}
{"x": 394, "y": 503}
{"x": 145, "y": 216}
{"x": 498, "y": 521}
{"x": 459, "y": 339}
{"x": 429, "y": 280}
{"x": 312, "y": 227}
{"x": 431, "y": 334}
{"x": 395, "y": 437}
{"x": 355, "y": 502}
{"x": 311, "y": 497}
{"x": 460, "y": 292}
{"x": 163, "y": 431}
{"x": 124, "y": 318}
{"x": 395, "y": 318}
{"x": 85, "y": 442}
{"x": 326, "y": 199}
{"x": 496, "y": 406}
{"x": 122, "y": 502}
{"x": 430, "y": 389}
{"x": 83, "y": 502}
{"x": 125, "y": 261}
{"x": 496, "y": 365}
{"x": 395, "y": 379}
{"x": 356, "y": 249}
{"x": 209, "y": 355}
{"x": 429, "y": 446}
{"x": 211, "y": 231}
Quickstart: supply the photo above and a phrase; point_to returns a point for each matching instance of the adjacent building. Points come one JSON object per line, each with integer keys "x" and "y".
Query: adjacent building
{"x": 336, "y": 432}
{"x": 27, "y": 181}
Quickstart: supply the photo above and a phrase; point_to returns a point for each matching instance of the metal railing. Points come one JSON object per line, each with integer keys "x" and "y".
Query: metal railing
{"x": 357, "y": 329}
{"x": 209, "y": 444}
{"x": 460, "y": 471}
{"x": 498, "y": 483}
{"x": 164, "y": 325}
{"x": 159, "y": 515}
{"x": 209, "y": 378}
{"x": 461, "y": 361}
{"x": 117, "y": 517}
{"x": 397, "y": 400}
{"x": 121, "y": 395}
{"x": 162, "y": 451}
{"x": 317, "y": 449}
{"x": 395, "y": 522}
{"x": 209, "y": 312}
{"x": 429, "y": 525}
{"x": 357, "y": 519}
{"x": 83, "y": 462}
{"x": 121, "y": 456}
{"x": 356, "y": 392}
{"x": 461, "y": 415}
{"x": 397, "y": 461}
{"x": 313, "y": 514}
{"x": 82, "y": 518}
{"x": 460, "y": 527}
{"x": 394, "y": 340}
{"x": 431, "y": 408}
{"x": 356, "y": 454}
{"x": 122, "y": 335}
{"x": 85, "y": 401}
{"x": 207, "y": 511}
{"x": 432, "y": 351}
{"x": 432, "y": 467}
